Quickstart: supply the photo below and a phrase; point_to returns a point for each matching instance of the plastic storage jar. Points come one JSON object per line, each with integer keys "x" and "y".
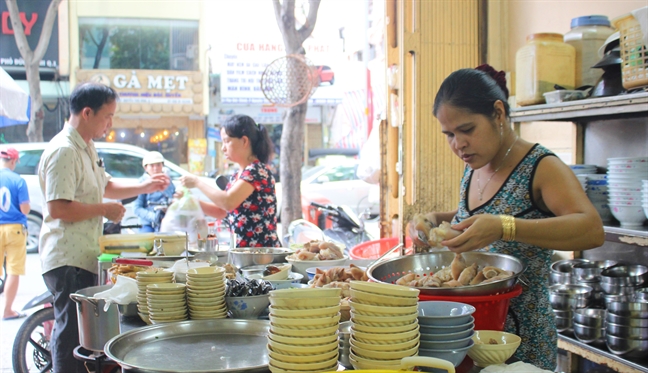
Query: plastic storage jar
{"x": 634, "y": 54}
{"x": 544, "y": 61}
{"x": 587, "y": 35}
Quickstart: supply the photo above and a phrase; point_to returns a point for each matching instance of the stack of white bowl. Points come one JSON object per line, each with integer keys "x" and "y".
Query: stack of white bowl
{"x": 166, "y": 302}
{"x": 144, "y": 278}
{"x": 582, "y": 171}
{"x": 303, "y": 332}
{"x": 384, "y": 324}
{"x": 625, "y": 186}
{"x": 644, "y": 196}
{"x": 206, "y": 293}
{"x": 446, "y": 330}
{"x": 597, "y": 192}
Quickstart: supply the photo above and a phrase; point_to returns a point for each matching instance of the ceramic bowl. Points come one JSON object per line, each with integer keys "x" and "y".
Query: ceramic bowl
{"x": 485, "y": 353}
{"x": 454, "y": 356}
{"x": 442, "y": 313}
{"x": 247, "y": 307}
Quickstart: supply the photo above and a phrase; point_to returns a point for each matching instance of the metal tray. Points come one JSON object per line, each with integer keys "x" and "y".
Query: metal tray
{"x": 194, "y": 346}
{"x": 424, "y": 264}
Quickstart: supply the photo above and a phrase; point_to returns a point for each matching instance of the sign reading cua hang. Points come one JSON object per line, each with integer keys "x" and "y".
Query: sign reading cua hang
{"x": 155, "y": 92}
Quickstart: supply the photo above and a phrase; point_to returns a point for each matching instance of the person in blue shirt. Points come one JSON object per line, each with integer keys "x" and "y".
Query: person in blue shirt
{"x": 14, "y": 207}
{"x": 150, "y": 208}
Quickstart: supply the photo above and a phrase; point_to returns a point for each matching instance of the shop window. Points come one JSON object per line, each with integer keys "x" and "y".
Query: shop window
{"x": 142, "y": 44}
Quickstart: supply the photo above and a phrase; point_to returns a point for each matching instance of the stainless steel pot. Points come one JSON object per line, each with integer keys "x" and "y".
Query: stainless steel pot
{"x": 96, "y": 326}
{"x": 563, "y": 297}
{"x": 425, "y": 264}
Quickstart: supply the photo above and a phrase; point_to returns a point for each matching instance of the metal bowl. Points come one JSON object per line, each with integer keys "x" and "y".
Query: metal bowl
{"x": 631, "y": 309}
{"x": 588, "y": 334}
{"x": 609, "y": 298}
{"x": 626, "y": 346}
{"x": 616, "y": 289}
{"x": 563, "y": 324}
{"x": 590, "y": 317}
{"x": 561, "y": 271}
{"x": 568, "y": 314}
{"x": 595, "y": 285}
{"x": 626, "y": 321}
{"x": 634, "y": 332}
{"x": 425, "y": 264}
{"x": 586, "y": 271}
{"x": 563, "y": 297}
{"x": 633, "y": 274}
{"x": 641, "y": 295}
{"x": 249, "y": 256}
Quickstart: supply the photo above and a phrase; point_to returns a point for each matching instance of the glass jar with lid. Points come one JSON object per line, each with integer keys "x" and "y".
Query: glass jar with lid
{"x": 544, "y": 61}
{"x": 587, "y": 35}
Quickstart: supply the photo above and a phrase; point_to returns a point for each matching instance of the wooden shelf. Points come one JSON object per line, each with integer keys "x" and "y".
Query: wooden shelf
{"x": 601, "y": 356}
{"x": 623, "y": 106}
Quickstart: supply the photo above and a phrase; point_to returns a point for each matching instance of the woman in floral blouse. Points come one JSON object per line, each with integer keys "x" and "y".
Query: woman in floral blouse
{"x": 248, "y": 202}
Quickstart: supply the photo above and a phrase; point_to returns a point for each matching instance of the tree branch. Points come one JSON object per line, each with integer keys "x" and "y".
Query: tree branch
{"x": 307, "y": 29}
{"x": 46, "y": 33}
{"x": 277, "y": 9}
{"x": 19, "y": 32}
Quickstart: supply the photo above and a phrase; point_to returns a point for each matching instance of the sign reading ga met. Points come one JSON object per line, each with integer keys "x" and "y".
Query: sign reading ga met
{"x": 32, "y": 15}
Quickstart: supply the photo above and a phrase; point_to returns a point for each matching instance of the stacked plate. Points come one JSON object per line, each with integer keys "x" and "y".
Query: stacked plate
{"x": 384, "y": 324}
{"x": 625, "y": 189}
{"x": 206, "y": 293}
{"x": 446, "y": 330}
{"x": 144, "y": 278}
{"x": 304, "y": 330}
{"x": 582, "y": 171}
{"x": 166, "y": 302}
{"x": 597, "y": 192}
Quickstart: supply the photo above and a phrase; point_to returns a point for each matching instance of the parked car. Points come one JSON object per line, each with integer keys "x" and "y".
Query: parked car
{"x": 336, "y": 183}
{"x": 123, "y": 162}
{"x": 324, "y": 74}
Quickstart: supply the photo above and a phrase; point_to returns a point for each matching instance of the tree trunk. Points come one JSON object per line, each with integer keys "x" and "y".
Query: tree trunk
{"x": 291, "y": 160}
{"x": 32, "y": 62}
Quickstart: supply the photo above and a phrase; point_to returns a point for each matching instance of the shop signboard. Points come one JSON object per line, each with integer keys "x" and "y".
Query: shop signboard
{"x": 244, "y": 60}
{"x": 32, "y": 16}
{"x": 156, "y": 92}
{"x": 197, "y": 153}
{"x": 263, "y": 114}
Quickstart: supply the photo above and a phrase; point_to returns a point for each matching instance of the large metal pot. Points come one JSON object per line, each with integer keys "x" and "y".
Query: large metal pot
{"x": 425, "y": 264}
{"x": 96, "y": 326}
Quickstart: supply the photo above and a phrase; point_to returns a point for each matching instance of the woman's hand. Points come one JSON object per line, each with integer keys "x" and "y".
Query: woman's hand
{"x": 189, "y": 181}
{"x": 419, "y": 227}
{"x": 478, "y": 231}
{"x": 156, "y": 183}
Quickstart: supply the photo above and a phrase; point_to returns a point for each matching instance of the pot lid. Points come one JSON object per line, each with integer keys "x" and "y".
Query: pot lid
{"x": 613, "y": 57}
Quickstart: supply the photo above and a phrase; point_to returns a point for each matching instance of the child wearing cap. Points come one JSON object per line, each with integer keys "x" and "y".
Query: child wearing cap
{"x": 150, "y": 208}
{"x": 14, "y": 207}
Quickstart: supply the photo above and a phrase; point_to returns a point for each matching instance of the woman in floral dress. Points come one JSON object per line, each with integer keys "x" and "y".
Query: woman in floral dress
{"x": 248, "y": 202}
{"x": 517, "y": 198}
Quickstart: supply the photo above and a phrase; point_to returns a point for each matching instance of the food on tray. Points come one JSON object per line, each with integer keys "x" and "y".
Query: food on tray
{"x": 338, "y": 274}
{"x": 128, "y": 270}
{"x": 457, "y": 274}
{"x": 230, "y": 271}
{"x": 317, "y": 250}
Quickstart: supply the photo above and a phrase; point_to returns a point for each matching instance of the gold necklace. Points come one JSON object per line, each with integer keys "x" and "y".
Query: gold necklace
{"x": 479, "y": 189}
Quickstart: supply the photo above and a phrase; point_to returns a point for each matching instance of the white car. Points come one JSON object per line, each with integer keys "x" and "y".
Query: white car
{"x": 123, "y": 162}
{"x": 337, "y": 184}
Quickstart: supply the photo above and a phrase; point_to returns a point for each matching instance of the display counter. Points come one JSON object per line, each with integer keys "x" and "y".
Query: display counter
{"x": 599, "y": 354}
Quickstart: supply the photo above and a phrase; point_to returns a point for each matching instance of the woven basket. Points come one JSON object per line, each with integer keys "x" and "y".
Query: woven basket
{"x": 634, "y": 56}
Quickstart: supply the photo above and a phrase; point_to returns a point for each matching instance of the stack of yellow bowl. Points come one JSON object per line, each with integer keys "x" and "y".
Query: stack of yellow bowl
{"x": 144, "y": 278}
{"x": 206, "y": 293}
{"x": 304, "y": 330}
{"x": 384, "y": 325}
{"x": 166, "y": 302}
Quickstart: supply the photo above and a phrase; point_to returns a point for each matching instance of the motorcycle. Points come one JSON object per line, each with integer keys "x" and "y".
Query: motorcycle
{"x": 31, "y": 347}
{"x": 346, "y": 227}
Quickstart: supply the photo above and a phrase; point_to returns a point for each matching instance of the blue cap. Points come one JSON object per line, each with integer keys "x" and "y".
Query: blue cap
{"x": 594, "y": 20}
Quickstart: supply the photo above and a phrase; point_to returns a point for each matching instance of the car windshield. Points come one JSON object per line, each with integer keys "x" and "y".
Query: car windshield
{"x": 28, "y": 163}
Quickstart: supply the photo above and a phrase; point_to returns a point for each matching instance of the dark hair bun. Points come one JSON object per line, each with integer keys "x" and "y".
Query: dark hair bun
{"x": 499, "y": 76}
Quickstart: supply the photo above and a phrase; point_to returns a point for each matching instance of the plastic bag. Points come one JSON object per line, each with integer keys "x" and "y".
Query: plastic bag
{"x": 185, "y": 215}
{"x": 123, "y": 292}
{"x": 369, "y": 166}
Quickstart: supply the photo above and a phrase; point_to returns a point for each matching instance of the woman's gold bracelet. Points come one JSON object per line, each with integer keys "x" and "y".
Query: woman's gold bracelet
{"x": 508, "y": 227}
